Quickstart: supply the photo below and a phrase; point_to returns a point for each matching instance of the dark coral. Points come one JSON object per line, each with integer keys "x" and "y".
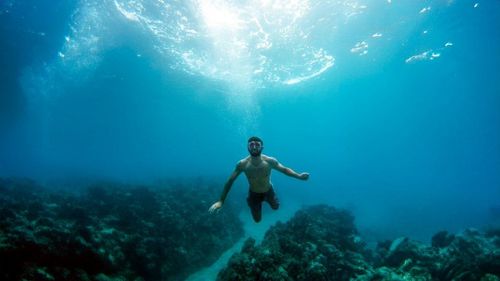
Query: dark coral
{"x": 442, "y": 239}
{"x": 470, "y": 256}
{"x": 318, "y": 243}
{"x": 110, "y": 232}
{"x": 321, "y": 243}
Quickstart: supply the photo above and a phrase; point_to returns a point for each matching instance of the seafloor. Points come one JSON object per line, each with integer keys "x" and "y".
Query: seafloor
{"x": 110, "y": 231}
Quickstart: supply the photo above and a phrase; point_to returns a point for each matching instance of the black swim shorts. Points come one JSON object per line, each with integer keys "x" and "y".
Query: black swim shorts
{"x": 255, "y": 200}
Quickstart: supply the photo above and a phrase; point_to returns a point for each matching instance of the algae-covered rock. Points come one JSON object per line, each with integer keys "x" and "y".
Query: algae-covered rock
{"x": 490, "y": 277}
{"x": 318, "y": 243}
{"x": 321, "y": 243}
{"x": 442, "y": 239}
{"x": 110, "y": 232}
{"x": 469, "y": 256}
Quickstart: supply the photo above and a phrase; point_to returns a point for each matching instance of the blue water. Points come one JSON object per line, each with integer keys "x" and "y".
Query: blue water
{"x": 393, "y": 107}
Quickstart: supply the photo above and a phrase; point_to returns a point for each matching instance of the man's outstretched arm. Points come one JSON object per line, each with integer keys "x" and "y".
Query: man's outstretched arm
{"x": 229, "y": 183}
{"x": 287, "y": 171}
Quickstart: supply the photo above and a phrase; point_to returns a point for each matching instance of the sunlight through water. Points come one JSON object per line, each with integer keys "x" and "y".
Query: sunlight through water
{"x": 256, "y": 43}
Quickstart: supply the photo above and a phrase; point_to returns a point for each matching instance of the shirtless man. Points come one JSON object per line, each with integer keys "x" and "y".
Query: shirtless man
{"x": 257, "y": 168}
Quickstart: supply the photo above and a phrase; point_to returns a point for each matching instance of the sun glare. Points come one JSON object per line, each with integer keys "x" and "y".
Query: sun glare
{"x": 219, "y": 15}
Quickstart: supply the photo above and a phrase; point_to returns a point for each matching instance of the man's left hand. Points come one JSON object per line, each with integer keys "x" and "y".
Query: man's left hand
{"x": 304, "y": 176}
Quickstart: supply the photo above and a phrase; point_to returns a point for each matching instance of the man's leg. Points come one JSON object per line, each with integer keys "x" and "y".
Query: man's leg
{"x": 272, "y": 199}
{"x": 254, "y": 201}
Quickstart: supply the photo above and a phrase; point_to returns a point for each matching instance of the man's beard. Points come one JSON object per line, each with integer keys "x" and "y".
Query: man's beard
{"x": 256, "y": 154}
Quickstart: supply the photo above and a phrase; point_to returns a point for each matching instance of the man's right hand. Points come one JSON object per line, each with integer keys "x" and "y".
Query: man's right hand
{"x": 215, "y": 207}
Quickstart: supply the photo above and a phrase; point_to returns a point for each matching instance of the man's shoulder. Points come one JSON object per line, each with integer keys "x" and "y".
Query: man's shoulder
{"x": 269, "y": 159}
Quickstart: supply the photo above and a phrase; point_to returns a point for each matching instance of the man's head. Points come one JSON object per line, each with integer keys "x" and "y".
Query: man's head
{"x": 255, "y": 146}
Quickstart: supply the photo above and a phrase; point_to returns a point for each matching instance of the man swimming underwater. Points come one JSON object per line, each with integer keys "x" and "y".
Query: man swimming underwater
{"x": 257, "y": 168}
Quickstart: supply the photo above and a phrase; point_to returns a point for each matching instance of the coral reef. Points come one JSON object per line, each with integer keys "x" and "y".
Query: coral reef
{"x": 318, "y": 243}
{"x": 322, "y": 243}
{"x": 110, "y": 232}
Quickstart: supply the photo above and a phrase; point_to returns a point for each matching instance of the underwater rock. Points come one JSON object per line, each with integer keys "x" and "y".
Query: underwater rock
{"x": 490, "y": 277}
{"x": 403, "y": 249}
{"x": 321, "y": 243}
{"x": 318, "y": 243}
{"x": 442, "y": 239}
{"x": 470, "y": 256}
{"x": 110, "y": 232}
{"x": 120, "y": 232}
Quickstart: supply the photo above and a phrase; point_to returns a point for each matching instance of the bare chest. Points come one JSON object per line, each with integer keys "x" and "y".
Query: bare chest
{"x": 262, "y": 170}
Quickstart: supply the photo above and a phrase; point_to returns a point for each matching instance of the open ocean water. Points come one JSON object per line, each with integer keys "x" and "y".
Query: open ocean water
{"x": 392, "y": 106}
